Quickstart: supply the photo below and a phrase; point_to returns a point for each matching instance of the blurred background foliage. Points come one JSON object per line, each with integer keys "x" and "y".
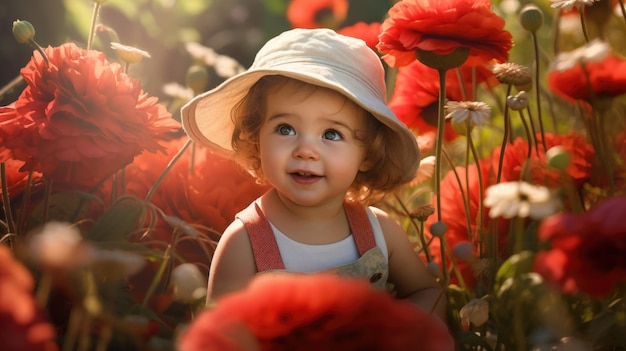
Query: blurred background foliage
{"x": 235, "y": 28}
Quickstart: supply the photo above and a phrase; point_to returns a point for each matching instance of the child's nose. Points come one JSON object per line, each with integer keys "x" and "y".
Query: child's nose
{"x": 306, "y": 149}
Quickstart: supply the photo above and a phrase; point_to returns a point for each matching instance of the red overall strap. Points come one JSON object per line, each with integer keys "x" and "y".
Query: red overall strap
{"x": 360, "y": 226}
{"x": 264, "y": 246}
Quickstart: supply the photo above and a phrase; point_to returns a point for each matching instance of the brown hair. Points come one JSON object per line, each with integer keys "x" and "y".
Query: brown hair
{"x": 384, "y": 173}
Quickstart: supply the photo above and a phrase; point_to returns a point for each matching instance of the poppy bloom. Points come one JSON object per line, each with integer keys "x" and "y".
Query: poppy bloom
{"x": 441, "y": 26}
{"x": 81, "y": 118}
{"x": 315, "y": 312}
{"x": 24, "y": 326}
{"x": 415, "y": 98}
{"x": 587, "y": 251}
{"x": 591, "y": 80}
{"x": 368, "y": 32}
{"x": 317, "y": 13}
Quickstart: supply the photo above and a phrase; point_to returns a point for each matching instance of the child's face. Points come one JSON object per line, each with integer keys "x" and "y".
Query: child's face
{"x": 307, "y": 146}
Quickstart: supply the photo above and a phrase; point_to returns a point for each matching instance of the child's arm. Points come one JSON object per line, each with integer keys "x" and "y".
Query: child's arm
{"x": 407, "y": 271}
{"x": 232, "y": 266}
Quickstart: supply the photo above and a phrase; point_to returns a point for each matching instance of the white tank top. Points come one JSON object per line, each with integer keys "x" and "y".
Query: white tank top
{"x": 306, "y": 258}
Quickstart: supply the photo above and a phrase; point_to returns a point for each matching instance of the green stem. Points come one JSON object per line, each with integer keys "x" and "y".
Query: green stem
{"x": 420, "y": 231}
{"x": 538, "y": 90}
{"x": 581, "y": 11}
{"x": 479, "y": 219}
{"x": 94, "y": 20}
{"x": 6, "y": 201}
{"x": 507, "y": 131}
{"x": 167, "y": 169}
{"x": 439, "y": 140}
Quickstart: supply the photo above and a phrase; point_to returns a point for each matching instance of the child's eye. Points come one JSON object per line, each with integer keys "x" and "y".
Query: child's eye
{"x": 332, "y": 134}
{"x": 284, "y": 129}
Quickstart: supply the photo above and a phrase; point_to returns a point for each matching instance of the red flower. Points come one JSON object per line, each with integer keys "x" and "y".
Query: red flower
{"x": 453, "y": 214}
{"x": 441, "y": 26}
{"x": 81, "y": 118}
{"x": 515, "y": 156}
{"x": 24, "y": 326}
{"x": 582, "y": 155}
{"x": 606, "y": 78}
{"x": 206, "y": 198}
{"x": 368, "y": 32}
{"x": 317, "y": 13}
{"x": 415, "y": 99}
{"x": 587, "y": 251}
{"x": 315, "y": 312}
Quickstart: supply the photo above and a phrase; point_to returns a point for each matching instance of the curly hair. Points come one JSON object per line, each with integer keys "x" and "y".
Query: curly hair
{"x": 383, "y": 173}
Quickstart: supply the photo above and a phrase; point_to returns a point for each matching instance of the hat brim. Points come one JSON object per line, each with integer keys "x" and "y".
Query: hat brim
{"x": 207, "y": 117}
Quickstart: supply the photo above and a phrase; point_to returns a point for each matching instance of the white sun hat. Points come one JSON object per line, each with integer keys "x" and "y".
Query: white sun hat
{"x": 316, "y": 56}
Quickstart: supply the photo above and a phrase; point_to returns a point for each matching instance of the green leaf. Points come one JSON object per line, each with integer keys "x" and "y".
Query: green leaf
{"x": 514, "y": 266}
{"x": 116, "y": 223}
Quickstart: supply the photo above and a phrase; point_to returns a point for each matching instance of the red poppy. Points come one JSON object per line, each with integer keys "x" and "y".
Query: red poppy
{"x": 368, "y": 32}
{"x": 600, "y": 79}
{"x": 81, "y": 118}
{"x": 24, "y": 326}
{"x": 587, "y": 251}
{"x": 316, "y": 312}
{"x": 317, "y": 13}
{"x": 579, "y": 171}
{"x": 441, "y": 26}
{"x": 415, "y": 98}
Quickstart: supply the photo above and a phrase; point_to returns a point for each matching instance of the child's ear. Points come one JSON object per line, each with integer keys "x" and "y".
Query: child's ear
{"x": 366, "y": 165}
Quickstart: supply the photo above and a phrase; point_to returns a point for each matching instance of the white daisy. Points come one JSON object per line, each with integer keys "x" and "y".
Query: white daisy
{"x": 460, "y": 111}
{"x": 595, "y": 50}
{"x": 520, "y": 199}
{"x": 569, "y": 4}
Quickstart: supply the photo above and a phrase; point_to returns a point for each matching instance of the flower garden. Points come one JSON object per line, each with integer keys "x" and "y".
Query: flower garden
{"x": 110, "y": 215}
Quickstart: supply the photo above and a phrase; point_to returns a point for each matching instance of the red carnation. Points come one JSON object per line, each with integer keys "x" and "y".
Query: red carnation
{"x": 441, "y": 26}
{"x": 24, "y": 326}
{"x": 205, "y": 199}
{"x": 598, "y": 79}
{"x": 317, "y": 13}
{"x": 415, "y": 98}
{"x": 82, "y": 118}
{"x": 368, "y": 32}
{"x": 587, "y": 251}
{"x": 315, "y": 312}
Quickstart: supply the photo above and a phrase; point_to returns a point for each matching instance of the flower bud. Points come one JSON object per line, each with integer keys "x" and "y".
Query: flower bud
{"x": 438, "y": 229}
{"x": 188, "y": 283}
{"x": 464, "y": 250}
{"x": 558, "y": 157}
{"x": 23, "y": 31}
{"x": 462, "y": 128}
{"x": 443, "y": 61}
{"x": 421, "y": 213}
{"x": 518, "y": 102}
{"x": 531, "y": 18}
{"x": 475, "y": 312}
{"x": 434, "y": 269}
{"x": 197, "y": 78}
{"x": 129, "y": 54}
